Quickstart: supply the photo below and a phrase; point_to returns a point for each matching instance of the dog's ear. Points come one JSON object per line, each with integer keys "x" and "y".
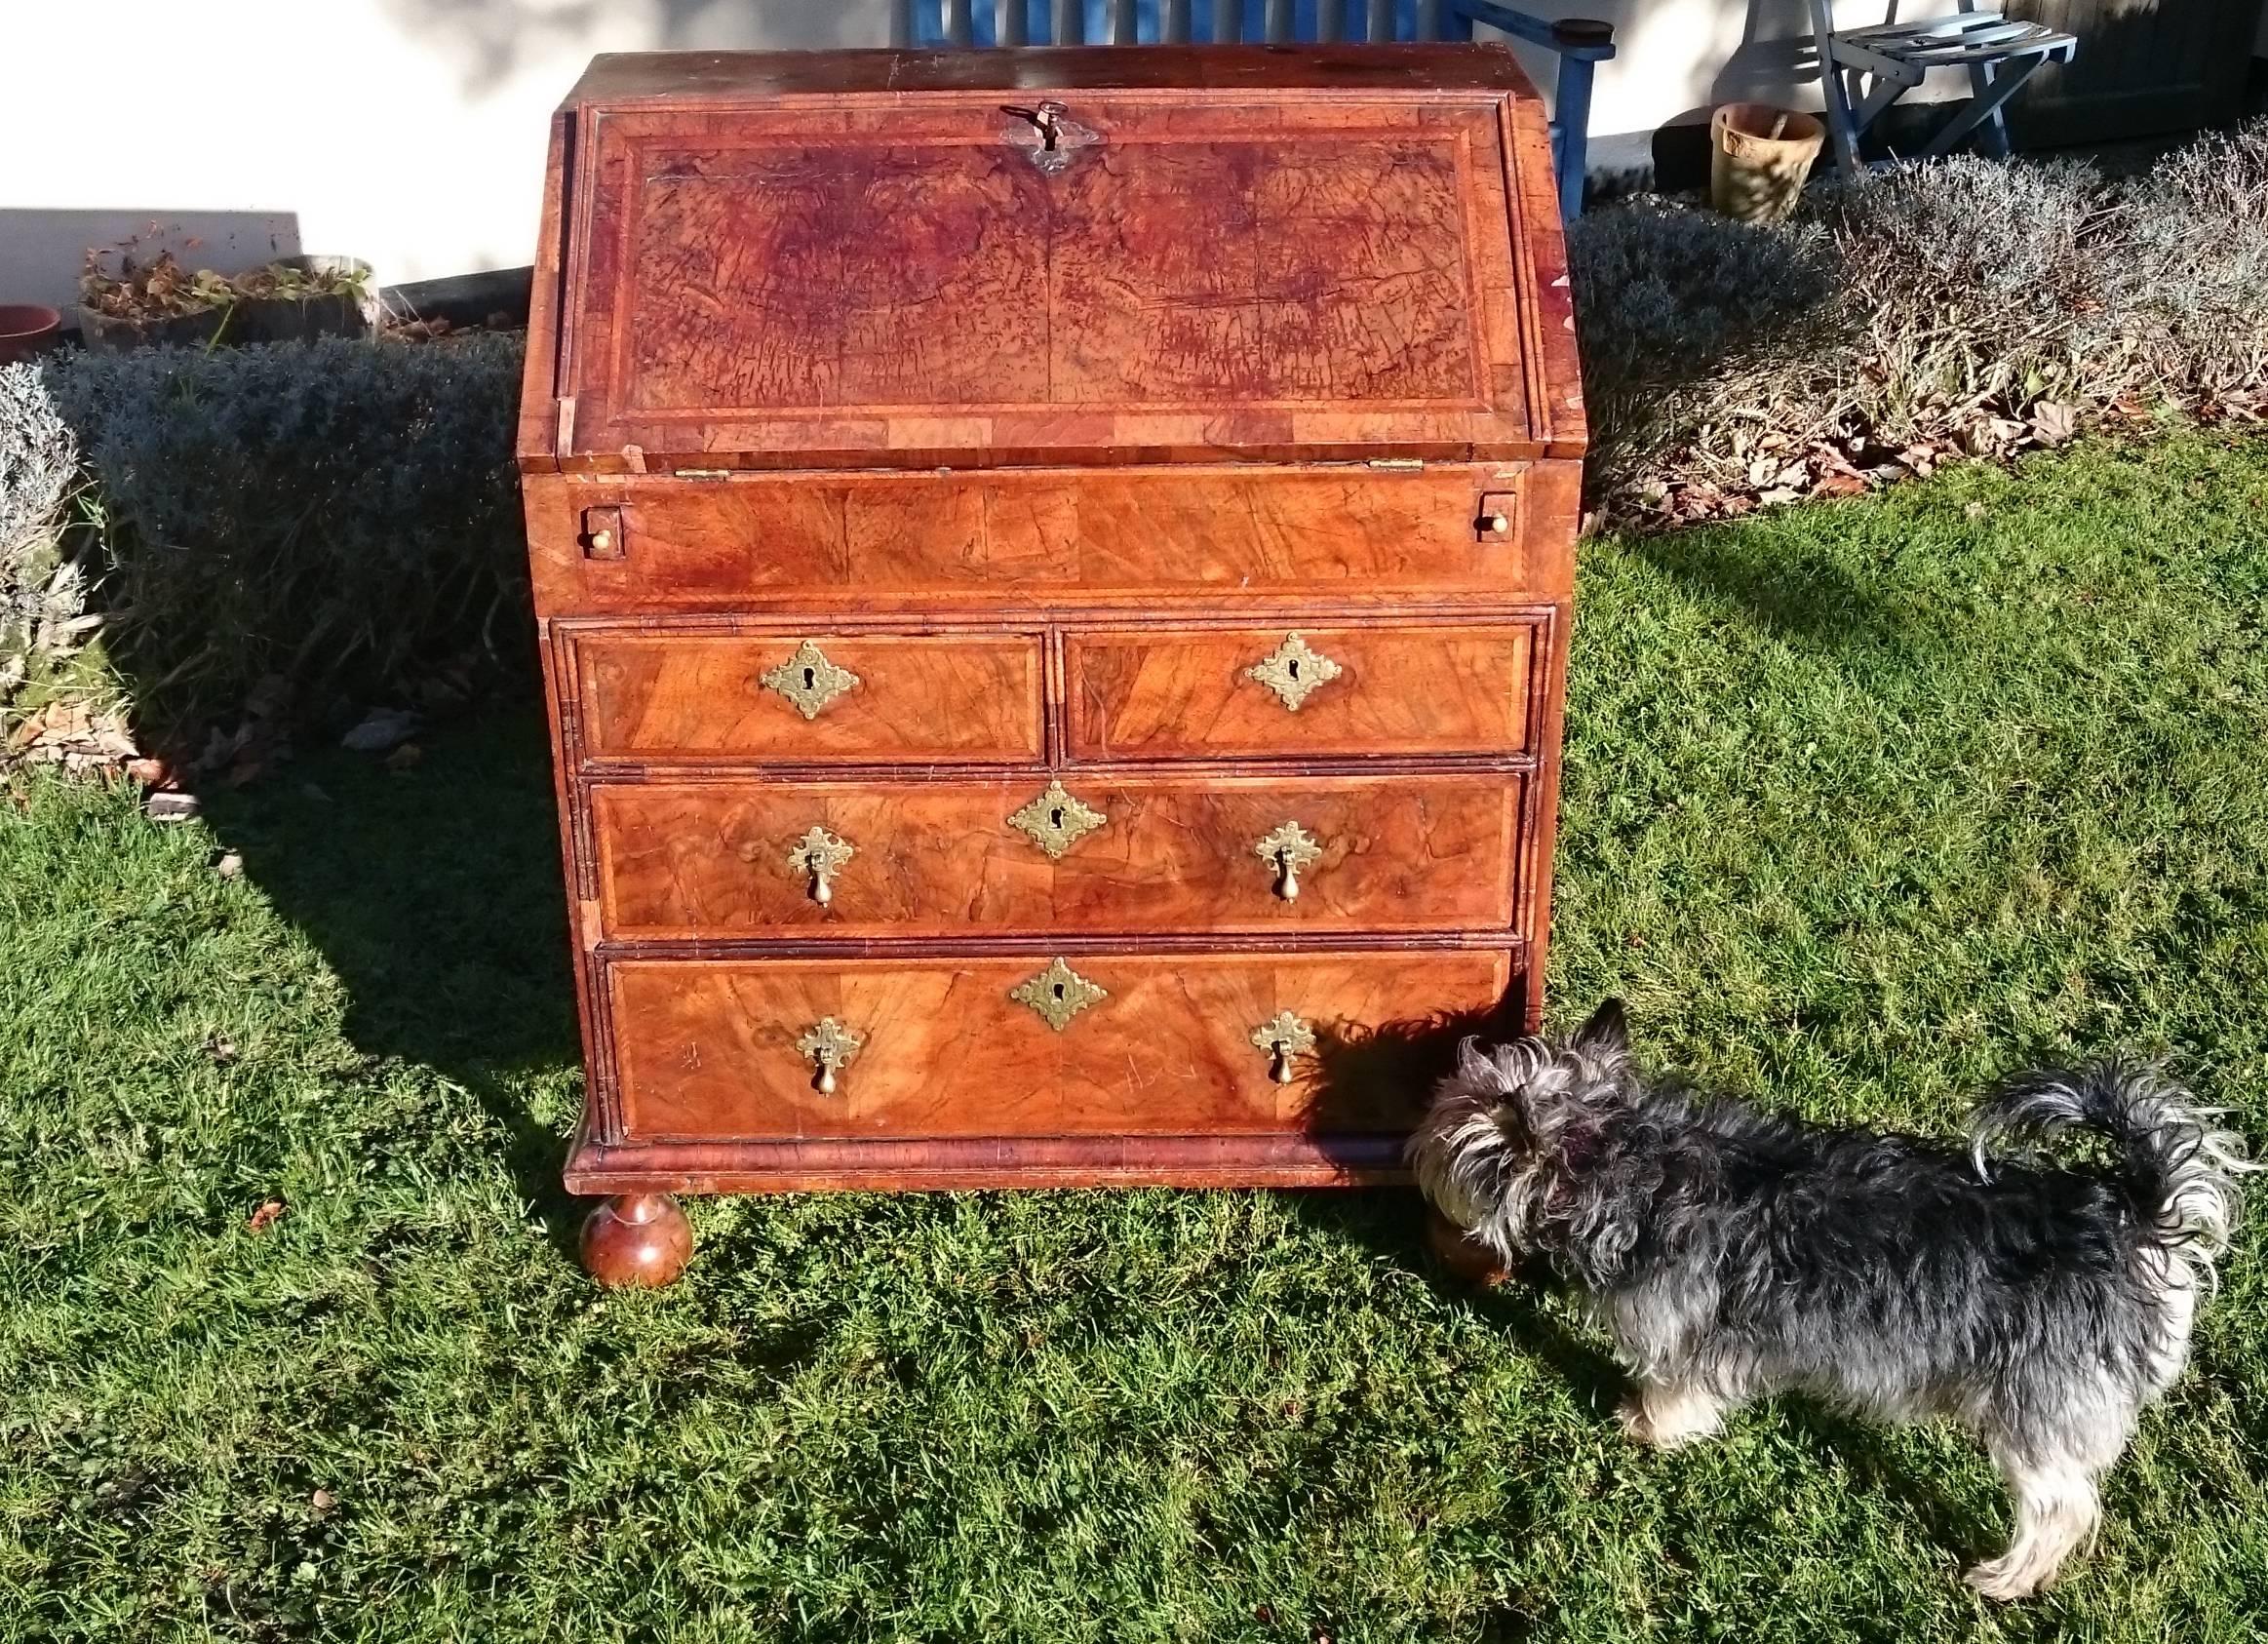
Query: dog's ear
{"x": 1607, "y": 1033}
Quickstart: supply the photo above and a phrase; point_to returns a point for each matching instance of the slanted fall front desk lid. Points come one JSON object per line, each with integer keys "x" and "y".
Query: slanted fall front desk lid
{"x": 1089, "y": 254}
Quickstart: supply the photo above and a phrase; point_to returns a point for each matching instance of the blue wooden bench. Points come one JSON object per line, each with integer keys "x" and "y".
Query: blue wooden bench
{"x": 1580, "y": 41}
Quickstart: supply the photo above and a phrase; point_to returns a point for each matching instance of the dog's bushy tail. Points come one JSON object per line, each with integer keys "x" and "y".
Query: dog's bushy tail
{"x": 2178, "y": 1166}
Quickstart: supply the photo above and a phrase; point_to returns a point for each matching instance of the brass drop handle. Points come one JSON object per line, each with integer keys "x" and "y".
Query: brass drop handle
{"x": 820, "y": 855}
{"x": 1290, "y": 850}
{"x": 829, "y": 1046}
{"x": 1283, "y": 1038}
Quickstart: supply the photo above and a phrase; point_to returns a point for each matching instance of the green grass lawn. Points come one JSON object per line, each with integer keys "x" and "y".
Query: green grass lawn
{"x": 1866, "y": 803}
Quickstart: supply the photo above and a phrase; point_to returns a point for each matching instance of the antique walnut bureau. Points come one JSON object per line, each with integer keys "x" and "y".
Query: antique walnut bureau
{"x": 1054, "y": 577}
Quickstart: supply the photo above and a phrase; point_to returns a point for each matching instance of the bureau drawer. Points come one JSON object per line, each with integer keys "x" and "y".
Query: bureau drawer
{"x": 795, "y": 698}
{"x": 1388, "y": 689}
{"x": 1159, "y": 1044}
{"x": 685, "y": 861}
{"x": 633, "y": 544}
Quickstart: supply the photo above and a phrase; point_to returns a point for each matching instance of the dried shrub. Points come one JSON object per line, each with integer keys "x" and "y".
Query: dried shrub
{"x": 2196, "y": 265}
{"x": 335, "y": 522}
{"x": 1966, "y": 304}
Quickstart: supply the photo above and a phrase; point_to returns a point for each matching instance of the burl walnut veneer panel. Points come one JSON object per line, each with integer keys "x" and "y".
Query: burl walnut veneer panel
{"x": 1055, "y": 574}
{"x": 710, "y": 1049}
{"x": 684, "y": 862}
{"x": 1387, "y": 691}
{"x": 691, "y": 697}
{"x": 1138, "y": 276}
{"x": 1466, "y": 531}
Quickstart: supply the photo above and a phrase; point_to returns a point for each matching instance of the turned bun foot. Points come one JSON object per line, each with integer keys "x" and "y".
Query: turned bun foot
{"x": 637, "y": 1238}
{"x": 1461, "y": 1253}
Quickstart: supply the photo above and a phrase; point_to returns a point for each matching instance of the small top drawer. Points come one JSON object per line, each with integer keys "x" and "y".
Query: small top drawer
{"x": 1387, "y": 689}
{"x": 827, "y": 698}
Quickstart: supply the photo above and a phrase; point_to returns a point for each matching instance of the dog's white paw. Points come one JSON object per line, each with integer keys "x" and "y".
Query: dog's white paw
{"x": 2002, "y": 1580}
{"x": 1666, "y": 1420}
{"x": 1636, "y": 1425}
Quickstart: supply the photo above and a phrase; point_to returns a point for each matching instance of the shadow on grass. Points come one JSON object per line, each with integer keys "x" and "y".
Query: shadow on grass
{"x": 1389, "y": 1222}
{"x": 1783, "y": 587}
{"x": 436, "y": 896}
{"x": 433, "y": 892}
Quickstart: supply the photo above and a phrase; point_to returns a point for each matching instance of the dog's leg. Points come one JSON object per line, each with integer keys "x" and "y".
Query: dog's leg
{"x": 1667, "y": 1414}
{"x": 2051, "y": 1463}
{"x": 2057, "y": 1511}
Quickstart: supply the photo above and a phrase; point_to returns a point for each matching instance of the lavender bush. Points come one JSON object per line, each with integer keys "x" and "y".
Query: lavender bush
{"x": 1962, "y": 304}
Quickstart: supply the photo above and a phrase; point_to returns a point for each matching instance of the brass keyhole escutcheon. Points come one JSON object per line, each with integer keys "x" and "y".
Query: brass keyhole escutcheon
{"x": 1055, "y": 821}
{"x": 1047, "y": 134}
{"x": 809, "y": 680}
{"x": 1295, "y": 670}
{"x": 819, "y": 855}
{"x": 828, "y": 1046}
{"x": 1291, "y": 850}
{"x": 1058, "y": 993}
{"x": 1282, "y": 1039}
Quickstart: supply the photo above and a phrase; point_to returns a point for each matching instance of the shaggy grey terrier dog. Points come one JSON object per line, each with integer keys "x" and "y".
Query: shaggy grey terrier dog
{"x": 1732, "y": 1253}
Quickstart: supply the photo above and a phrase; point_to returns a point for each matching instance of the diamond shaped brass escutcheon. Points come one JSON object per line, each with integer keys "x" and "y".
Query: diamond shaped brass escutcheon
{"x": 1283, "y": 1038}
{"x": 1294, "y": 669}
{"x": 1058, "y": 993}
{"x": 1056, "y": 821}
{"x": 829, "y": 1046}
{"x": 820, "y": 855}
{"x": 809, "y": 680}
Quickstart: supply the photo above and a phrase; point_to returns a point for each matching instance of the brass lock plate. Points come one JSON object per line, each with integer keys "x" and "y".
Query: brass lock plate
{"x": 809, "y": 680}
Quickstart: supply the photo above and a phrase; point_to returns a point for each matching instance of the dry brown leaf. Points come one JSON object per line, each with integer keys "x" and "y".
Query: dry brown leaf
{"x": 2053, "y": 422}
{"x": 265, "y": 1216}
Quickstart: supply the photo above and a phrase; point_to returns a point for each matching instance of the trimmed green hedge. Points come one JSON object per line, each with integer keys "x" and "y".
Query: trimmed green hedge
{"x": 331, "y": 523}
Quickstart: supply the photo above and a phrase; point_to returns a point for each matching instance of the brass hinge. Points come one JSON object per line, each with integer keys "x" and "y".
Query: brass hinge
{"x": 1411, "y": 463}
{"x": 703, "y": 473}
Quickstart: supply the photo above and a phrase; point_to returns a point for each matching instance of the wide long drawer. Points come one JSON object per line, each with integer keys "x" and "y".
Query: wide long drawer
{"x": 1042, "y": 1045}
{"x": 627, "y": 544}
{"x": 929, "y": 859}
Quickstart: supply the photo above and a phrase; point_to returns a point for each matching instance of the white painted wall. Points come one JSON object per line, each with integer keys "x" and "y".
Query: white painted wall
{"x": 410, "y": 132}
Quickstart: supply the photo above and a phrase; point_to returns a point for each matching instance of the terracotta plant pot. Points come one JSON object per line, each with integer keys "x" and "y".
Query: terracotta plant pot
{"x": 26, "y": 329}
{"x": 1759, "y": 156}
